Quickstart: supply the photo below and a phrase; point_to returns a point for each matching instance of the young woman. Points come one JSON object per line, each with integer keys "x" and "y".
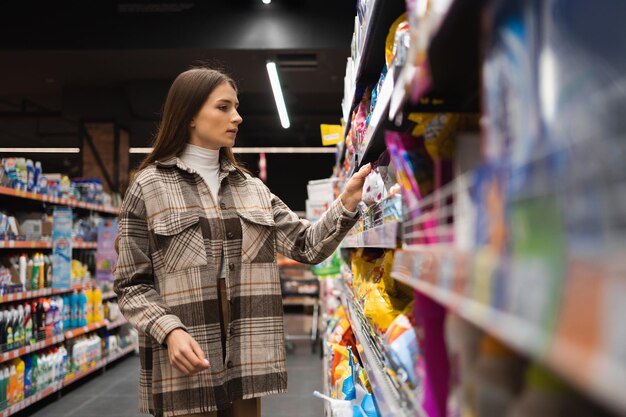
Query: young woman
{"x": 197, "y": 273}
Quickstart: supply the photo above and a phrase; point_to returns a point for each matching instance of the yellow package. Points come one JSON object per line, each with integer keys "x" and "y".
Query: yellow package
{"x": 365, "y": 380}
{"x": 378, "y": 309}
{"x": 400, "y": 23}
{"x": 366, "y": 272}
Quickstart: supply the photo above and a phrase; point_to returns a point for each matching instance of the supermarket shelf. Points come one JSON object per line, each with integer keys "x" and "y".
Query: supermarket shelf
{"x": 59, "y": 201}
{"x": 61, "y": 384}
{"x": 84, "y": 245}
{"x": 70, "y": 334}
{"x": 383, "y": 236}
{"x": 390, "y": 400}
{"x": 99, "y": 365}
{"x": 32, "y": 399}
{"x": 603, "y": 380}
{"x": 374, "y": 143}
{"x": 371, "y": 59}
{"x": 117, "y": 323}
{"x": 15, "y": 353}
{"x": 28, "y": 244}
{"x": 27, "y": 295}
{"x": 18, "y": 296}
{"x": 125, "y": 351}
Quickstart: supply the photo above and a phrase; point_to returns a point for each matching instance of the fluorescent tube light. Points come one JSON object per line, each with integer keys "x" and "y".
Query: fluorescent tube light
{"x": 40, "y": 150}
{"x": 139, "y": 150}
{"x": 278, "y": 94}
{"x": 282, "y": 149}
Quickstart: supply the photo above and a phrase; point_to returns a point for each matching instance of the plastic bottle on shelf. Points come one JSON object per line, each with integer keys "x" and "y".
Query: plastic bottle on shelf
{"x": 10, "y": 328}
{"x": 63, "y": 362}
{"x": 18, "y": 337}
{"x": 37, "y": 174}
{"x": 28, "y": 375}
{"x": 28, "y": 324}
{"x": 3, "y": 332}
{"x": 74, "y": 310}
{"x": 67, "y": 312}
{"x": 29, "y": 275}
{"x": 30, "y": 175}
{"x": 34, "y": 277}
{"x": 98, "y": 307}
{"x": 82, "y": 309}
{"x": 23, "y": 266}
{"x": 20, "y": 369}
{"x": 41, "y": 319}
{"x": 49, "y": 318}
{"x": 496, "y": 378}
{"x": 4, "y": 382}
{"x": 48, "y": 265}
{"x": 13, "y": 384}
{"x": 34, "y": 373}
{"x": 89, "y": 305}
{"x": 42, "y": 272}
{"x": 58, "y": 315}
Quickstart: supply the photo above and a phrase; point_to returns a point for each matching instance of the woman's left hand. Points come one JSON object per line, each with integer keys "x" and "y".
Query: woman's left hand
{"x": 353, "y": 191}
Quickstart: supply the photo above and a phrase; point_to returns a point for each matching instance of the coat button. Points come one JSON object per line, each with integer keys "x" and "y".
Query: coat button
{"x": 230, "y": 235}
{"x": 229, "y": 364}
{"x": 231, "y": 266}
{"x": 223, "y": 206}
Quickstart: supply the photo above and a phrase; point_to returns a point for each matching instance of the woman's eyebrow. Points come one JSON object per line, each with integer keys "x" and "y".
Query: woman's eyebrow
{"x": 225, "y": 100}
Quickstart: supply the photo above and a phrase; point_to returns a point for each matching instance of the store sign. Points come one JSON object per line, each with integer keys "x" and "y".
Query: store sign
{"x": 62, "y": 248}
{"x": 106, "y": 257}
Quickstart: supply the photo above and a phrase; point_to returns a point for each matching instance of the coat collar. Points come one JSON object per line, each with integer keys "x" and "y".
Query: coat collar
{"x": 226, "y": 167}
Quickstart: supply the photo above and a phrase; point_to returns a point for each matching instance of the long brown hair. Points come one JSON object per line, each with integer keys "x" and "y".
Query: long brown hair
{"x": 184, "y": 100}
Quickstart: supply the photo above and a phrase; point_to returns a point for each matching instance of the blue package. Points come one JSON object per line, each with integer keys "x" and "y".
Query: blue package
{"x": 357, "y": 412}
{"x": 369, "y": 406}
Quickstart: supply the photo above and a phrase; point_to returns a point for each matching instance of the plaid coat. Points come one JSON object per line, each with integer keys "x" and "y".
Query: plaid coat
{"x": 173, "y": 237}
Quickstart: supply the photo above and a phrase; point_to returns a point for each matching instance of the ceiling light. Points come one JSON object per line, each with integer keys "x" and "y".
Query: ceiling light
{"x": 281, "y": 149}
{"x": 278, "y": 94}
{"x": 40, "y": 150}
{"x": 267, "y": 1}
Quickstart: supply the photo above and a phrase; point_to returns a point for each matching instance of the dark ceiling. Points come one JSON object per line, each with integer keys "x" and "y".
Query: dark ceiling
{"x": 113, "y": 61}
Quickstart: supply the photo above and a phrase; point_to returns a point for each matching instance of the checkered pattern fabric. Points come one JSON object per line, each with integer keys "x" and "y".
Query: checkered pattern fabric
{"x": 173, "y": 240}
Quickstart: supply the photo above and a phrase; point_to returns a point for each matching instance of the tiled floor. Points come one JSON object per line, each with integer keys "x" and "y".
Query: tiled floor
{"x": 115, "y": 392}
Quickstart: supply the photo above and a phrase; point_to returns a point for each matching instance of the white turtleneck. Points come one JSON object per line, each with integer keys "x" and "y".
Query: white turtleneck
{"x": 205, "y": 162}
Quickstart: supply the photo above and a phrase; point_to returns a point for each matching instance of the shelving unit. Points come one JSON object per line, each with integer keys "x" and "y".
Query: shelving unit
{"x": 603, "y": 381}
{"x": 16, "y": 353}
{"x": 20, "y": 244}
{"x": 70, "y": 334}
{"x": 371, "y": 58}
{"x": 383, "y": 236}
{"x": 442, "y": 74}
{"x": 117, "y": 323}
{"x": 57, "y": 201}
{"x": 393, "y": 398}
{"x": 16, "y": 199}
{"x": 15, "y": 408}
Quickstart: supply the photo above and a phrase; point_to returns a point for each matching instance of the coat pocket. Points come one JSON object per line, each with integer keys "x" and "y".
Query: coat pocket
{"x": 179, "y": 240}
{"x": 258, "y": 236}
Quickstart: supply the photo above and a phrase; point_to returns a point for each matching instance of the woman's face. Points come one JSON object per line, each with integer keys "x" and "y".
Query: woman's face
{"x": 215, "y": 125}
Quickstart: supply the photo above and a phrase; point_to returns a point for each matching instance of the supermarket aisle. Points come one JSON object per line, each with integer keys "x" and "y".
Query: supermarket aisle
{"x": 115, "y": 392}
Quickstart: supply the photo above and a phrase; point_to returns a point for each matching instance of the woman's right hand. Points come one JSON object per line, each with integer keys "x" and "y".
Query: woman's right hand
{"x": 185, "y": 353}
